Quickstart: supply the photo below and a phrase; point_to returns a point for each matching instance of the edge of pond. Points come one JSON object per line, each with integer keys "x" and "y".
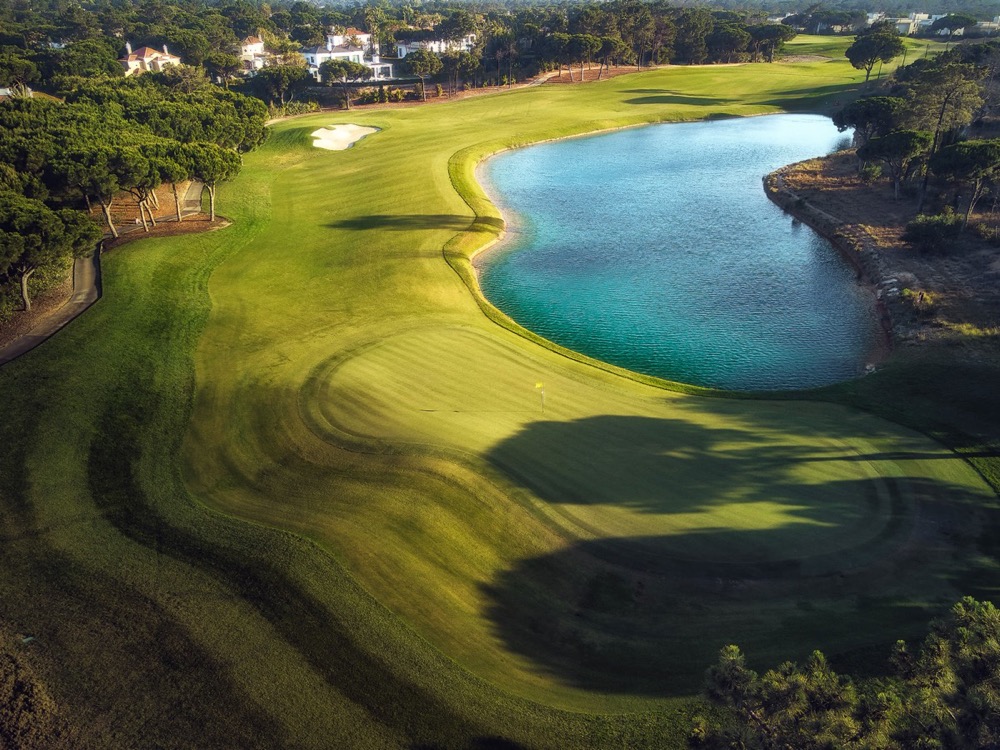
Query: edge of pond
{"x": 858, "y": 253}
{"x": 488, "y": 230}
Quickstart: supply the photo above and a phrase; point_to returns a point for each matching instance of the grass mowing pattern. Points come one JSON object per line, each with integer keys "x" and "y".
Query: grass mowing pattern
{"x": 387, "y": 585}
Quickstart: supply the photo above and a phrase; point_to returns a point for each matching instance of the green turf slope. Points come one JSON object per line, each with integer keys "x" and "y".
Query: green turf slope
{"x": 834, "y": 48}
{"x": 288, "y": 485}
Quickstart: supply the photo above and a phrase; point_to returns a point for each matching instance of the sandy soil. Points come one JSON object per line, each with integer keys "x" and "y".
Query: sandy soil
{"x": 591, "y": 74}
{"x": 340, "y": 137}
{"x": 43, "y": 307}
{"x": 190, "y": 225}
{"x": 961, "y": 286}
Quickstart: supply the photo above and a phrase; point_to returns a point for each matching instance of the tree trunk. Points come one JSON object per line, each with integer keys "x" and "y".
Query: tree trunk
{"x": 977, "y": 193}
{"x": 569, "y": 69}
{"x": 934, "y": 147}
{"x": 177, "y": 200}
{"x": 152, "y": 219}
{"x": 600, "y": 70}
{"x": 423, "y": 89}
{"x": 142, "y": 215}
{"x": 347, "y": 95}
{"x": 107, "y": 215}
{"x": 25, "y": 299}
{"x": 211, "y": 202}
{"x": 90, "y": 208}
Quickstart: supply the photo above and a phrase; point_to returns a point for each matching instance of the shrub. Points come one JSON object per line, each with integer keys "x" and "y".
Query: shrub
{"x": 301, "y": 108}
{"x": 932, "y": 233}
{"x": 987, "y": 232}
{"x": 923, "y": 302}
{"x": 292, "y": 108}
{"x": 438, "y": 91}
{"x": 870, "y": 173}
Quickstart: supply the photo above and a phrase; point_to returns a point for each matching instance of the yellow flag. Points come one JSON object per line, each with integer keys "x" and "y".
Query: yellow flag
{"x": 539, "y": 385}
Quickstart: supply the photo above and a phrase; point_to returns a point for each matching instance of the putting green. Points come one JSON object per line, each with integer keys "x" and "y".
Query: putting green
{"x": 640, "y": 465}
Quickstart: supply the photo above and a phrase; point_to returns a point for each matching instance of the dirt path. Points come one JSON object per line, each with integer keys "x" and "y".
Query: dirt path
{"x": 86, "y": 291}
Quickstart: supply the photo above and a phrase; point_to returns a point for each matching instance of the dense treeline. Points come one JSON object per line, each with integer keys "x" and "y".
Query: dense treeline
{"x": 943, "y": 694}
{"x": 512, "y": 41}
{"x": 110, "y": 138}
{"x": 918, "y": 133}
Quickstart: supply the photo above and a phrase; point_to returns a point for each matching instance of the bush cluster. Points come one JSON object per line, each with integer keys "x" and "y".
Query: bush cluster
{"x": 933, "y": 233}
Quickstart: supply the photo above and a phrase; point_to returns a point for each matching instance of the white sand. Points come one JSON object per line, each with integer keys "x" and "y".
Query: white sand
{"x": 339, "y": 137}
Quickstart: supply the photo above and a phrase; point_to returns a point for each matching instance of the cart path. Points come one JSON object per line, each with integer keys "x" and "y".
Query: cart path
{"x": 86, "y": 289}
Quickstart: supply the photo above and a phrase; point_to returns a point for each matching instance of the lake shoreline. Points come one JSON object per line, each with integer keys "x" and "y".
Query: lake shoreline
{"x": 858, "y": 254}
{"x": 513, "y": 228}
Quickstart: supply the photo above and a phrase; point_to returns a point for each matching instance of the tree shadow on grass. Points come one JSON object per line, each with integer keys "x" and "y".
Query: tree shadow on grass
{"x": 666, "y": 96}
{"x": 850, "y": 425}
{"x": 411, "y": 222}
{"x": 652, "y": 629}
{"x": 843, "y": 563}
{"x": 805, "y": 99}
{"x": 680, "y": 466}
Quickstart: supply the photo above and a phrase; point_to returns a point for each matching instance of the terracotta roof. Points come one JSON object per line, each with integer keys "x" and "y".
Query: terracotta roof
{"x": 354, "y": 32}
{"x": 251, "y": 40}
{"x": 148, "y": 53}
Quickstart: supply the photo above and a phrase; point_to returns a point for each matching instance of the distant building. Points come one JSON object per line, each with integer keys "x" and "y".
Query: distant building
{"x": 905, "y": 26}
{"x": 252, "y": 54}
{"x": 350, "y": 37}
{"x": 437, "y": 46}
{"x": 147, "y": 59}
{"x": 17, "y": 91}
{"x": 353, "y": 45}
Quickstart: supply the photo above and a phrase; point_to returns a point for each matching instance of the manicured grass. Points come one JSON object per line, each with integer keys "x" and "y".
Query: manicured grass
{"x": 291, "y": 484}
{"x": 835, "y": 46}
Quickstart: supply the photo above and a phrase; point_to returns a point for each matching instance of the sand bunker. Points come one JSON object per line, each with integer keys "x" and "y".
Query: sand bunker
{"x": 339, "y": 137}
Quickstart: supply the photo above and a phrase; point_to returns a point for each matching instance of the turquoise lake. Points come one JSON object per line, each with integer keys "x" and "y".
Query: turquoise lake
{"x": 656, "y": 249}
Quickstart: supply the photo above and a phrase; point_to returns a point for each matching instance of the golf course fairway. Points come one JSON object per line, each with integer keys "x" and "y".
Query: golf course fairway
{"x": 293, "y": 483}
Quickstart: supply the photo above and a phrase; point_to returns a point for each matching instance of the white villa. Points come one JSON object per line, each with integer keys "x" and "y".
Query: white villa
{"x": 437, "y": 46}
{"x": 353, "y": 45}
{"x": 920, "y": 23}
{"x": 147, "y": 59}
{"x": 252, "y": 54}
